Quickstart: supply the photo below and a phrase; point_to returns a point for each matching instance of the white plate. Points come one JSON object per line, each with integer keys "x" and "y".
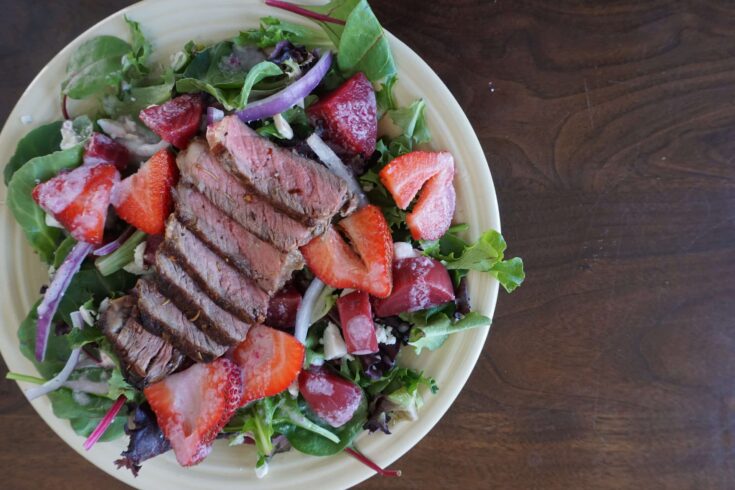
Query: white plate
{"x": 170, "y": 24}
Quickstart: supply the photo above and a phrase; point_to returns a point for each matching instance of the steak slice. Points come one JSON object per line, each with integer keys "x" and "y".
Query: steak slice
{"x": 146, "y": 358}
{"x": 201, "y": 170}
{"x": 175, "y": 283}
{"x": 270, "y": 267}
{"x": 228, "y": 288}
{"x": 301, "y": 187}
{"x": 158, "y": 311}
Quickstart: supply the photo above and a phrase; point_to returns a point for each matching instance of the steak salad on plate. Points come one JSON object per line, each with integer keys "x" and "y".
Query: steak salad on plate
{"x": 241, "y": 242}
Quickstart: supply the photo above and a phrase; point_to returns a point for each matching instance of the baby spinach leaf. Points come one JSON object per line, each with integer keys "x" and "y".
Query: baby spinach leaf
{"x": 273, "y": 30}
{"x": 432, "y": 331}
{"x": 85, "y": 413}
{"x": 309, "y": 442}
{"x": 57, "y": 350}
{"x": 39, "y": 142}
{"x": 134, "y": 99}
{"x": 27, "y": 213}
{"x": 94, "y": 66}
{"x": 336, "y": 9}
{"x": 364, "y": 47}
{"x": 262, "y": 70}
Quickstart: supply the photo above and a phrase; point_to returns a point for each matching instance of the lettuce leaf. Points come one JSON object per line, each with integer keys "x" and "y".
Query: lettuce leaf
{"x": 273, "y": 30}
{"x": 484, "y": 255}
{"x": 431, "y": 330}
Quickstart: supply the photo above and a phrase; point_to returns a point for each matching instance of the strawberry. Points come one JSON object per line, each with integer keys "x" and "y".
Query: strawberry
{"x": 175, "y": 121}
{"x": 406, "y": 175}
{"x": 102, "y": 149}
{"x": 282, "y": 308}
{"x": 193, "y": 405}
{"x": 333, "y": 398}
{"x": 79, "y": 200}
{"x": 356, "y": 317}
{"x": 270, "y": 360}
{"x": 349, "y": 116}
{"x": 368, "y": 266}
{"x": 144, "y": 199}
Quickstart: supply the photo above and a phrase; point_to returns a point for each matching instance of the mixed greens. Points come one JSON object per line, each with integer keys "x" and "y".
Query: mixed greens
{"x": 235, "y": 74}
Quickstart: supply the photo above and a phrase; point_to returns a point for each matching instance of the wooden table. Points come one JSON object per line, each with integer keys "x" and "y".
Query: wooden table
{"x": 611, "y": 138}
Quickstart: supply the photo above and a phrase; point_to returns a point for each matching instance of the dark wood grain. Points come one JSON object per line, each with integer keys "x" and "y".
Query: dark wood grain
{"x": 611, "y": 137}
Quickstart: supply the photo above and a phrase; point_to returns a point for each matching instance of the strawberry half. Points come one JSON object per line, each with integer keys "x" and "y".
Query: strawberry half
{"x": 368, "y": 266}
{"x": 79, "y": 200}
{"x": 406, "y": 175}
{"x": 144, "y": 199}
{"x": 175, "y": 121}
{"x": 349, "y": 116}
{"x": 102, "y": 149}
{"x": 193, "y": 405}
{"x": 270, "y": 361}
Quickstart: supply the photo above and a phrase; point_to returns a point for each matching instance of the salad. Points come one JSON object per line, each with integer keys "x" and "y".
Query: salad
{"x": 241, "y": 242}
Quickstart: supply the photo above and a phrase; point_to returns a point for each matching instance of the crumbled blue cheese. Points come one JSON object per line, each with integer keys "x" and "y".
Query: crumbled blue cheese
{"x": 293, "y": 388}
{"x": 283, "y": 127}
{"x": 139, "y": 141}
{"x": 51, "y": 221}
{"x": 334, "y": 345}
{"x": 404, "y": 250}
{"x": 385, "y": 335}
{"x": 69, "y": 137}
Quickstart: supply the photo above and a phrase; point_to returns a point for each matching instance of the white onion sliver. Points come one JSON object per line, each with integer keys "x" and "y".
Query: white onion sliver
{"x": 332, "y": 161}
{"x": 303, "y": 314}
{"x": 57, "y": 381}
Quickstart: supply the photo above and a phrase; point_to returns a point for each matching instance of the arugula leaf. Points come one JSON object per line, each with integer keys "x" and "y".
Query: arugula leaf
{"x": 364, "y": 47}
{"x": 273, "y": 30}
{"x": 95, "y": 66}
{"x": 384, "y": 96}
{"x": 432, "y": 331}
{"x": 39, "y": 142}
{"x": 412, "y": 120}
{"x": 27, "y": 213}
{"x": 377, "y": 194}
{"x": 134, "y": 63}
{"x": 485, "y": 255}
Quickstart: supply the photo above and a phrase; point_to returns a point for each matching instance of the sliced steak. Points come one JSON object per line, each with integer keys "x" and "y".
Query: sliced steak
{"x": 201, "y": 170}
{"x": 270, "y": 267}
{"x": 223, "y": 283}
{"x": 302, "y": 188}
{"x": 161, "y": 314}
{"x": 217, "y": 323}
{"x": 146, "y": 358}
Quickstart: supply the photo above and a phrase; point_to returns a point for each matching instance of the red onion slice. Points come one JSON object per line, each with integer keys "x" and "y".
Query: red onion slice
{"x": 115, "y": 244}
{"x": 332, "y": 161}
{"x": 289, "y": 96}
{"x": 51, "y": 299}
{"x": 104, "y": 423}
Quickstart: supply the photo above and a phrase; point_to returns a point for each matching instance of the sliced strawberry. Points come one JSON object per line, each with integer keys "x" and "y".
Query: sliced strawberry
{"x": 332, "y": 397}
{"x": 79, "y": 200}
{"x": 175, "y": 121}
{"x": 368, "y": 266}
{"x": 418, "y": 283}
{"x": 282, "y": 308}
{"x": 144, "y": 199}
{"x": 406, "y": 175}
{"x": 270, "y": 360}
{"x": 193, "y": 405}
{"x": 102, "y": 149}
{"x": 349, "y": 116}
{"x": 356, "y": 317}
